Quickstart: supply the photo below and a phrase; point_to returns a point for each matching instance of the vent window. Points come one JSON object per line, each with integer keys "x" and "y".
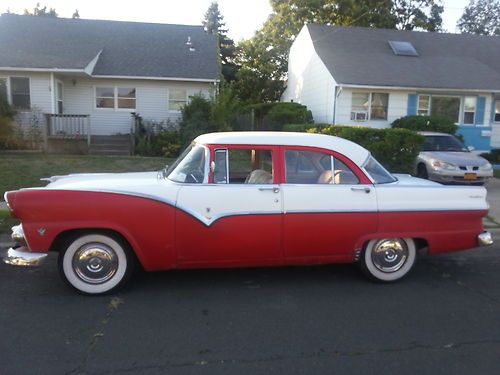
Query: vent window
{"x": 403, "y": 48}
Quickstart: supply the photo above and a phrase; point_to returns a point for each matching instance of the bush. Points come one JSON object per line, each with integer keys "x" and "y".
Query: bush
{"x": 225, "y": 108}
{"x": 396, "y": 149}
{"x": 426, "y": 123}
{"x": 196, "y": 119}
{"x": 310, "y": 128}
{"x": 274, "y": 116}
{"x": 154, "y": 138}
{"x": 493, "y": 156}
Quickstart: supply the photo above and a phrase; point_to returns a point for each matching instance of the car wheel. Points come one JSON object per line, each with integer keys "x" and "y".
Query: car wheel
{"x": 95, "y": 263}
{"x": 388, "y": 259}
{"x": 422, "y": 172}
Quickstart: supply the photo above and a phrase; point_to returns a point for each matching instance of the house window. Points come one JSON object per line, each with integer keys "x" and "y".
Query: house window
{"x": 446, "y": 106}
{"x": 469, "y": 109}
{"x": 177, "y": 99}
{"x": 497, "y": 110}
{"x": 369, "y": 106}
{"x": 20, "y": 92}
{"x": 126, "y": 97}
{"x": 105, "y": 97}
{"x": 424, "y": 104}
{"x": 3, "y": 89}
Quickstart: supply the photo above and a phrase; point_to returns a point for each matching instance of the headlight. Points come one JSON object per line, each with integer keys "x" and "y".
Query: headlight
{"x": 486, "y": 167}
{"x": 438, "y": 164}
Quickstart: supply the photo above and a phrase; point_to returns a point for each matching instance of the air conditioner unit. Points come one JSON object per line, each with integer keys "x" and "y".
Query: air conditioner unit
{"x": 359, "y": 115}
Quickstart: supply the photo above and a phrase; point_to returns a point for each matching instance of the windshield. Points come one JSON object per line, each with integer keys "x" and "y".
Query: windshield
{"x": 443, "y": 143}
{"x": 189, "y": 166}
{"x": 378, "y": 173}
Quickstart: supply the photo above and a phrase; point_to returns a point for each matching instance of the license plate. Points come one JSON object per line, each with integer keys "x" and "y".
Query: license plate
{"x": 470, "y": 176}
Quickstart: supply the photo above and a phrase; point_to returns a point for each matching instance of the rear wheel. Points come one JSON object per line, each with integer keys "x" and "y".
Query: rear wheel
{"x": 388, "y": 259}
{"x": 95, "y": 263}
{"x": 422, "y": 172}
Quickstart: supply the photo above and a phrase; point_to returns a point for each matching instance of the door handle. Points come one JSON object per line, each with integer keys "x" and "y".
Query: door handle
{"x": 274, "y": 189}
{"x": 365, "y": 189}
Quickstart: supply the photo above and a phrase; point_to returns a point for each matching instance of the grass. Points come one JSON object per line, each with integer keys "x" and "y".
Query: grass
{"x": 25, "y": 170}
{"x": 6, "y": 222}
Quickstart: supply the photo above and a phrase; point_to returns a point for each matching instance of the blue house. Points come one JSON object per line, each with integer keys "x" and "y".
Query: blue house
{"x": 371, "y": 77}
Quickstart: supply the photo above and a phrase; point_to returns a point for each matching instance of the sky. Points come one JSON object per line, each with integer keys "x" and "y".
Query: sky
{"x": 242, "y": 17}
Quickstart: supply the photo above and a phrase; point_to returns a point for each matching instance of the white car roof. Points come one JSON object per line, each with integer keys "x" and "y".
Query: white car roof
{"x": 350, "y": 149}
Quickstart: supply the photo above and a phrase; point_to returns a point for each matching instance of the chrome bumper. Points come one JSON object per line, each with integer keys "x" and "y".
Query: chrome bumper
{"x": 484, "y": 239}
{"x": 20, "y": 256}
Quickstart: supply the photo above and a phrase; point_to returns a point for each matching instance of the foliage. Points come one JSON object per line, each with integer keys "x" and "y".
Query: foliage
{"x": 7, "y": 114}
{"x": 39, "y": 11}
{"x": 214, "y": 24}
{"x": 303, "y": 128}
{"x": 274, "y": 116}
{"x": 76, "y": 15}
{"x": 264, "y": 57}
{"x": 154, "y": 138}
{"x": 396, "y": 149}
{"x": 426, "y": 123}
{"x": 493, "y": 156}
{"x": 225, "y": 108}
{"x": 196, "y": 119}
{"x": 481, "y": 17}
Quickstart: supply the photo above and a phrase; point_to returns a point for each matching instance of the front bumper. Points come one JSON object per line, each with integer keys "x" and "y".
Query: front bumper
{"x": 484, "y": 238}
{"x": 21, "y": 256}
{"x": 446, "y": 177}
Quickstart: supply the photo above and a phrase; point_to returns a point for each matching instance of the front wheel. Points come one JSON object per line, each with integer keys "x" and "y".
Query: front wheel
{"x": 388, "y": 259}
{"x": 95, "y": 263}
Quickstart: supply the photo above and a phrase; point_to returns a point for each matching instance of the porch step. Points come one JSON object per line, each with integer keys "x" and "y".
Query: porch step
{"x": 110, "y": 145}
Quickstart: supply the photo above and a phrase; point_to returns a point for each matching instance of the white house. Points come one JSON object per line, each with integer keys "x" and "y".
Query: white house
{"x": 367, "y": 76}
{"x": 86, "y": 77}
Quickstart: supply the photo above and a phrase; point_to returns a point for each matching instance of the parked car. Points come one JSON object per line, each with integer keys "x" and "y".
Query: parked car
{"x": 445, "y": 159}
{"x": 244, "y": 199}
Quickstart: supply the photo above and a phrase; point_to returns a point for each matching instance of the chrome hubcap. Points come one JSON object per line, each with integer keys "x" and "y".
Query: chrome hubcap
{"x": 389, "y": 255}
{"x": 95, "y": 263}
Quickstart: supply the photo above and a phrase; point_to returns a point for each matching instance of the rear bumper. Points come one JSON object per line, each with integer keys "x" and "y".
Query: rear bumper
{"x": 21, "y": 256}
{"x": 484, "y": 239}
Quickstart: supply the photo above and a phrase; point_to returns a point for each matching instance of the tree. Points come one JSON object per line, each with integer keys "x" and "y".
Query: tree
{"x": 481, "y": 17}
{"x": 214, "y": 24}
{"x": 76, "y": 15}
{"x": 39, "y": 11}
{"x": 264, "y": 57}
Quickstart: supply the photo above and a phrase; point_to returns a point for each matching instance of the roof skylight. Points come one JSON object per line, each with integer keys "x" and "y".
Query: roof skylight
{"x": 403, "y": 48}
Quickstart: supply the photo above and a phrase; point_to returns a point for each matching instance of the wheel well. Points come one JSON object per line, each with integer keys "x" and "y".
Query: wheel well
{"x": 420, "y": 243}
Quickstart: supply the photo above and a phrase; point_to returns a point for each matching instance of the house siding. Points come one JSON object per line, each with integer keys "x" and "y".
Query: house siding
{"x": 309, "y": 81}
{"x": 151, "y": 102}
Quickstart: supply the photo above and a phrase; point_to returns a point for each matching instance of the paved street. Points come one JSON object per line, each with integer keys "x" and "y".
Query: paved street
{"x": 442, "y": 319}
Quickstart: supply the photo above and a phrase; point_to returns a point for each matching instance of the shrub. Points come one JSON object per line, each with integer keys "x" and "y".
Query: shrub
{"x": 196, "y": 119}
{"x": 154, "y": 138}
{"x": 225, "y": 108}
{"x": 493, "y": 156}
{"x": 7, "y": 114}
{"x": 274, "y": 116}
{"x": 426, "y": 123}
{"x": 396, "y": 149}
{"x": 311, "y": 128}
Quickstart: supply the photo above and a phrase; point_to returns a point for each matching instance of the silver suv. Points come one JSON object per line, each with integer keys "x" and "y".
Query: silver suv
{"x": 443, "y": 158}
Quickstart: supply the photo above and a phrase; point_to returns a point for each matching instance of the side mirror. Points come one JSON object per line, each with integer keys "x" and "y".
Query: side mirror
{"x": 470, "y": 148}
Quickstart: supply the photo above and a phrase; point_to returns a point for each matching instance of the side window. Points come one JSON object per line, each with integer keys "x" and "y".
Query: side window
{"x": 243, "y": 166}
{"x": 324, "y": 169}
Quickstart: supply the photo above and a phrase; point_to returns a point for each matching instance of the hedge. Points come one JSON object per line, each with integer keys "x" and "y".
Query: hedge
{"x": 396, "y": 149}
{"x": 426, "y": 123}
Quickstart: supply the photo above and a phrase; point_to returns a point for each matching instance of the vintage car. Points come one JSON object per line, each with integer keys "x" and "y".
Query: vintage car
{"x": 244, "y": 199}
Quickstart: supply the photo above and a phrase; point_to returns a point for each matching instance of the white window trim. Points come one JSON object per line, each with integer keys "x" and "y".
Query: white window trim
{"x": 56, "y": 99}
{"x": 462, "y": 110}
{"x": 369, "y": 110}
{"x": 7, "y": 85}
{"x": 9, "y": 93}
{"x": 168, "y": 99}
{"x": 494, "y": 110}
{"x": 461, "y": 114}
{"x": 115, "y": 98}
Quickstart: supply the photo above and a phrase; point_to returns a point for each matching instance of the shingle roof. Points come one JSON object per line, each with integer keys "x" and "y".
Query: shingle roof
{"x": 128, "y": 48}
{"x": 363, "y": 56}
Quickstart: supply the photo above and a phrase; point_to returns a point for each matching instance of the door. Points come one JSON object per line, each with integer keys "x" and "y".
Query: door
{"x": 235, "y": 218}
{"x": 326, "y": 207}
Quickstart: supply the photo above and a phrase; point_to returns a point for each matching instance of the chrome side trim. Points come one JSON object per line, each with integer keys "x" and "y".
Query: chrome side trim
{"x": 20, "y": 256}
{"x": 484, "y": 238}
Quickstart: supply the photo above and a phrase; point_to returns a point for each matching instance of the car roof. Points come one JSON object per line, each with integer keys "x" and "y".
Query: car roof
{"x": 424, "y": 133}
{"x": 350, "y": 149}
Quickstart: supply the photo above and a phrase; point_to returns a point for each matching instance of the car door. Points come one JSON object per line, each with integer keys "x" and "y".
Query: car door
{"x": 234, "y": 218}
{"x": 328, "y": 205}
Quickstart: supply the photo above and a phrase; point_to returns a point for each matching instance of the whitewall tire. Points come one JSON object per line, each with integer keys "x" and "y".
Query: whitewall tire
{"x": 95, "y": 263}
{"x": 388, "y": 259}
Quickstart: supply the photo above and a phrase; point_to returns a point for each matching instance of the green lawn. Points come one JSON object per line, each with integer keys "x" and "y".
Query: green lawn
{"x": 25, "y": 170}
{"x": 496, "y": 173}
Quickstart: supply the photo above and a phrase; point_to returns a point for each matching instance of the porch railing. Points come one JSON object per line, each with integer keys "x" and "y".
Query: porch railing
{"x": 68, "y": 126}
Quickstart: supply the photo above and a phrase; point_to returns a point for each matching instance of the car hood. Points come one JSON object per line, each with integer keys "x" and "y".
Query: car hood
{"x": 456, "y": 158}
{"x": 102, "y": 181}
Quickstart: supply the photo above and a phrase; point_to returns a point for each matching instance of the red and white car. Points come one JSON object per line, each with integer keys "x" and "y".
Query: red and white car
{"x": 244, "y": 199}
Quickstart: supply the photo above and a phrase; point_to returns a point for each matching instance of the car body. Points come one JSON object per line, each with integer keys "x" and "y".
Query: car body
{"x": 244, "y": 199}
{"x": 445, "y": 159}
